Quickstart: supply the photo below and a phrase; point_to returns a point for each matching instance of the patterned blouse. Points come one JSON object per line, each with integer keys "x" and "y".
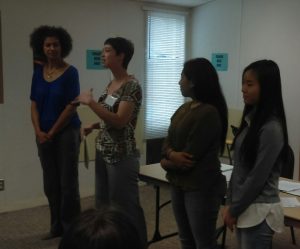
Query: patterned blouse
{"x": 116, "y": 144}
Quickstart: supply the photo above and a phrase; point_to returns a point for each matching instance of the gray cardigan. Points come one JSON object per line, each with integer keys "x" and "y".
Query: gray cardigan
{"x": 259, "y": 183}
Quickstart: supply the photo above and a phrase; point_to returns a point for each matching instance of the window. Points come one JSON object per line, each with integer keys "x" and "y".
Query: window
{"x": 165, "y": 55}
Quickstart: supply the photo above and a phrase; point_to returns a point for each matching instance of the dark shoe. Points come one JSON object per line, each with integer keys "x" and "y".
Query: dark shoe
{"x": 51, "y": 236}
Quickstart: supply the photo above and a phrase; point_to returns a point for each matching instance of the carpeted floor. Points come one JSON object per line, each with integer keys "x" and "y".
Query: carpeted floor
{"x": 23, "y": 229}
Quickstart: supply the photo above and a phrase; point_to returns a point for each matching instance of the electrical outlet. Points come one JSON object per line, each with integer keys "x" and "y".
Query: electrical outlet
{"x": 1, "y": 184}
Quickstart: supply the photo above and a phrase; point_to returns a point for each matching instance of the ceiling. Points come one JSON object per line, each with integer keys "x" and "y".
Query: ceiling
{"x": 185, "y": 3}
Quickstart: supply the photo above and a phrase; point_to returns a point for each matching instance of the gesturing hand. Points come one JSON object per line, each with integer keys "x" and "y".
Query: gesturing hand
{"x": 85, "y": 97}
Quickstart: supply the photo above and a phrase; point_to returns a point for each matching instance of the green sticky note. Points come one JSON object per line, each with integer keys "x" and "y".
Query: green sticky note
{"x": 93, "y": 59}
{"x": 220, "y": 61}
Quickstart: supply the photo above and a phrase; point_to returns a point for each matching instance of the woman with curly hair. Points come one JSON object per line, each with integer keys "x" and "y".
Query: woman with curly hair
{"x": 55, "y": 84}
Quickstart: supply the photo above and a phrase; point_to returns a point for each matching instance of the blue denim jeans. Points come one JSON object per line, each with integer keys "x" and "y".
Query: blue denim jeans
{"x": 59, "y": 160}
{"x": 196, "y": 215}
{"x": 117, "y": 184}
{"x": 258, "y": 237}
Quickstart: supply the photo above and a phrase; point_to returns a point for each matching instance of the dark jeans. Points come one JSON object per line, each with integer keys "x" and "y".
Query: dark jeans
{"x": 196, "y": 215}
{"x": 117, "y": 184}
{"x": 59, "y": 160}
{"x": 258, "y": 237}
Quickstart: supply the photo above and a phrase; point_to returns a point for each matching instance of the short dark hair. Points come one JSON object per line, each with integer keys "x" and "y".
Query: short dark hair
{"x": 207, "y": 89}
{"x": 105, "y": 228}
{"x": 270, "y": 104}
{"x": 38, "y": 36}
{"x": 122, "y": 45}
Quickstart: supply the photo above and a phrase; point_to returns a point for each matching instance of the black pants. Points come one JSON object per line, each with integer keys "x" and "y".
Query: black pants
{"x": 59, "y": 160}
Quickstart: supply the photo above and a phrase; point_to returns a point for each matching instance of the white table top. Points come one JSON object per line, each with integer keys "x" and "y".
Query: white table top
{"x": 157, "y": 172}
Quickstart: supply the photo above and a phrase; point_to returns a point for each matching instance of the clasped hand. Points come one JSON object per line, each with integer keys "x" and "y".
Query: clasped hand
{"x": 86, "y": 130}
{"x": 229, "y": 220}
{"x": 182, "y": 160}
{"x": 44, "y": 137}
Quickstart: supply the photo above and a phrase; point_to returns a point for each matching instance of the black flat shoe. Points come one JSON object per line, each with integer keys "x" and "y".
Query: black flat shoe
{"x": 51, "y": 236}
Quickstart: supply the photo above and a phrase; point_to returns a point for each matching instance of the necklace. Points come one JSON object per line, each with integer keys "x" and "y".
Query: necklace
{"x": 49, "y": 74}
{"x": 56, "y": 70}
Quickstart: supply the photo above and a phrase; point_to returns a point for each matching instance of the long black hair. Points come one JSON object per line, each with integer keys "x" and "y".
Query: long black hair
{"x": 207, "y": 89}
{"x": 270, "y": 104}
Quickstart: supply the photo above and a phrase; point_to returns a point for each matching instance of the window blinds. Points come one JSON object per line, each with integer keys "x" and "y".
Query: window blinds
{"x": 165, "y": 55}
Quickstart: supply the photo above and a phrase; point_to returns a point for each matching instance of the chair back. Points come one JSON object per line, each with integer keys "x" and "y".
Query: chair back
{"x": 153, "y": 150}
{"x": 234, "y": 129}
{"x": 287, "y": 170}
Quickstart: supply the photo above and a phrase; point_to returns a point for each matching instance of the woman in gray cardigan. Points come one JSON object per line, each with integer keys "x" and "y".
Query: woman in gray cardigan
{"x": 260, "y": 149}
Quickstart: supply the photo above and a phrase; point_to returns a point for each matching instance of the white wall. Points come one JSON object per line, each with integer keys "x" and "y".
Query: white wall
{"x": 216, "y": 29}
{"x": 250, "y": 30}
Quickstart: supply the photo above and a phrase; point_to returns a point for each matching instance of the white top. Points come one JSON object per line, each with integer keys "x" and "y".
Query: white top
{"x": 258, "y": 212}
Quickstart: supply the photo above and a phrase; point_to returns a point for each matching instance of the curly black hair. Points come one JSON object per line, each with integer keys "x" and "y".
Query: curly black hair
{"x": 38, "y": 36}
